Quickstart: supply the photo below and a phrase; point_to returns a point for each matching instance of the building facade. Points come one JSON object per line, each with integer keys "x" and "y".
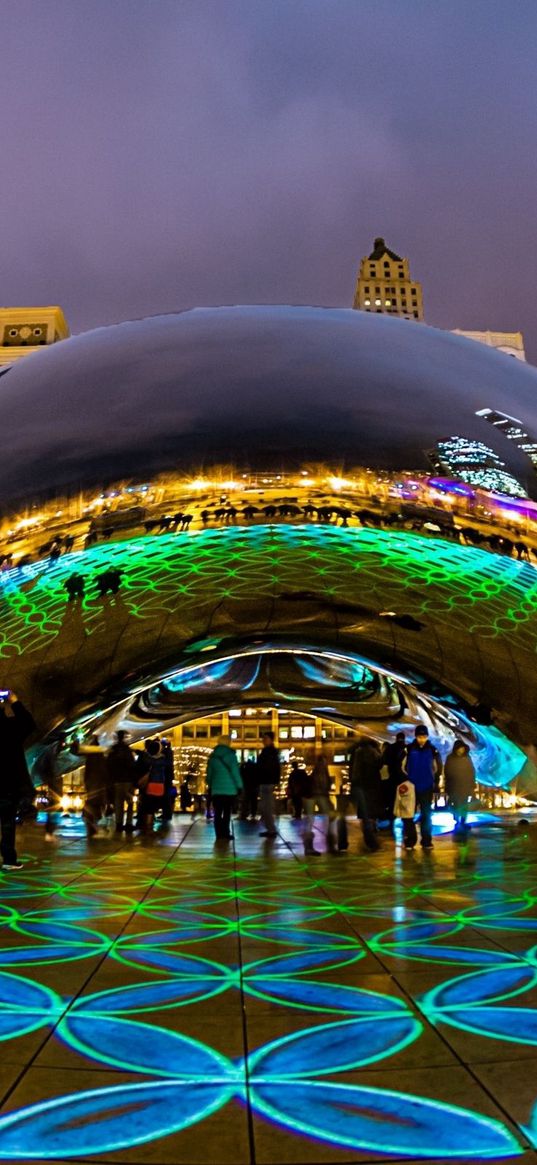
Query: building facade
{"x": 514, "y": 431}
{"x": 475, "y": 463}
{"x": 385, "y": 286}
{"x": 512, "y": 343}
{"x": 23, "y": 329}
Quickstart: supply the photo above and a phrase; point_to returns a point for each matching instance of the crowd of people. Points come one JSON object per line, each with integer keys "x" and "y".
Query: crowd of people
{"x": 432, "y": 519}
{"x": 399, "y": 780}
{"x": 114, "y": 780}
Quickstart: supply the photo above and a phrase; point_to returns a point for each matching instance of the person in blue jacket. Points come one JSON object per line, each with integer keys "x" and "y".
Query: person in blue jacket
{"x": 224, "y": 784}
{"x": 422, "y": 766}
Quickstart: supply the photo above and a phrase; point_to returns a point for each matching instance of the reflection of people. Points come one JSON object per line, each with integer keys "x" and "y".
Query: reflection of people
{"x": 170, "y": 791}
{"x": 296, "y": 788}
{"x": 224, "y": 784}
{"x": 121, "y": 773}
{"x": 317, "y": 794}
{"x": 423, "y": 767}
{"x": 268, "y": 774}
{"x": 249, "y": 796}
{"x": 48, "y": 769}
{"x": 185, "y": 796}
{"x": 393, "y": 757}
{"x": 94, "y": 782}
{"x": 152, "y": 784}
{"x": 74, "y": 585}
{"x": 365, "y": 762}
{"x": 16, "y": 723}
{"x": 460, "y": 780}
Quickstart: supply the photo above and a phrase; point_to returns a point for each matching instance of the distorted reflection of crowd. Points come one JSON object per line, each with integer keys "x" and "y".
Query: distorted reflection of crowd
{"x": 135, "y": 787}
{"x": 427, "y": 520}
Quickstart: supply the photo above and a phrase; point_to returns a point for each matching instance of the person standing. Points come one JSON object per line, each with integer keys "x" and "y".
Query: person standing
{"x": 364, "y": 773}
{"x": 296, "y": 788}
{"x": 170, "y": 791}
{"x": 268, "y": 775}
{"x": 318, "y": 796}
{"x": 95, "y": 774}
{"x": 249, "y": 798}
{"x": 152, "y": 783}
{"x": 459, "y": 775}
{"x": 47, "y": 768}
{"x": 16, "y": 723}
{"x": 224, "y": 784}
{"x": 185, "y": 796}
{"x": 121, "y": 775}
{"x": 392, "y": 757}
{"x": 423, "y": 767}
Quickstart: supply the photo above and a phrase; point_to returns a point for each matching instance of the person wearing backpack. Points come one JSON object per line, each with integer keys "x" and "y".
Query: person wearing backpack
{"x": 224, "y": 784}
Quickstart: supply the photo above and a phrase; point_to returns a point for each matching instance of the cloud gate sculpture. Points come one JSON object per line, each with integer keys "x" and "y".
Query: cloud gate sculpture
{"x": 260, "y": 483}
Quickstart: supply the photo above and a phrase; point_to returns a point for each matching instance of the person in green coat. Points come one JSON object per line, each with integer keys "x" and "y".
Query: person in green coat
{"x": 224, "y": 783}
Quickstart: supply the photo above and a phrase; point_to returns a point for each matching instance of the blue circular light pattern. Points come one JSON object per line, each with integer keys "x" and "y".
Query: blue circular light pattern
{"x": 313, "y": 927}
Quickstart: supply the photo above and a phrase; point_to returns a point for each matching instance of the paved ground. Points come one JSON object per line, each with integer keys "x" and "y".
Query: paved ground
{"x": 166, "y": 1001}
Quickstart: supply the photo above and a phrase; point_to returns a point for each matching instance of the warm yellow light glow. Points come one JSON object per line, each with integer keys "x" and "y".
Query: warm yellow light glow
{"x": 25, "y": 522}
{"x": 199, "y": 483}
{"x": 339, "y": 482}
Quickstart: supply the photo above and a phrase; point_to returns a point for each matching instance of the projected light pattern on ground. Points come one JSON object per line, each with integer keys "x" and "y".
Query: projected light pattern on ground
{"x": 315, "y": 958}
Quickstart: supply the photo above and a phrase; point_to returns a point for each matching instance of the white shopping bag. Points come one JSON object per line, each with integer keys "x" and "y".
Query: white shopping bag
{"x": 405, "y": 800}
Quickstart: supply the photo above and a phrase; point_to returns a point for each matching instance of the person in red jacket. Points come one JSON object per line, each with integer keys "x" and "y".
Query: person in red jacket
{"x": 16, "y": 723}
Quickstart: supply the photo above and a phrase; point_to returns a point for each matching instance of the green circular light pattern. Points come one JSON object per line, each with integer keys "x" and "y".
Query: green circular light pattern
{"x": 467, "y": 589}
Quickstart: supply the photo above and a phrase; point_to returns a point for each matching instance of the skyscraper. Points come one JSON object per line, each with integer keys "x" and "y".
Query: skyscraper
{"x": 384, "y": 285}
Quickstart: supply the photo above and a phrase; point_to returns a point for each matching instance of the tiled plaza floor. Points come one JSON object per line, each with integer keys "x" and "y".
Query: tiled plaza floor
{"x": 170, "y": 1000}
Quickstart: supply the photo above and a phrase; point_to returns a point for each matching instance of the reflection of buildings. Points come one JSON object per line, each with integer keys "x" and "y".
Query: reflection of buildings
{"x": 23, "y": 329}
{"x": 476, "y": 463}
{"x": 297, "y": 734}
{"x": 384, "y": 285}
{"x": 513, "y": 430}
{"x": 512, "y": 343}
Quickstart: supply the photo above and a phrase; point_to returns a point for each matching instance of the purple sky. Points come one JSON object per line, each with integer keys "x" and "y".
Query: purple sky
{"x": 158, "y": 154}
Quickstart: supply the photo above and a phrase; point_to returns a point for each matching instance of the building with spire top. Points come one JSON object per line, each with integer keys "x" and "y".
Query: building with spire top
{"x": 384, "y": 285}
